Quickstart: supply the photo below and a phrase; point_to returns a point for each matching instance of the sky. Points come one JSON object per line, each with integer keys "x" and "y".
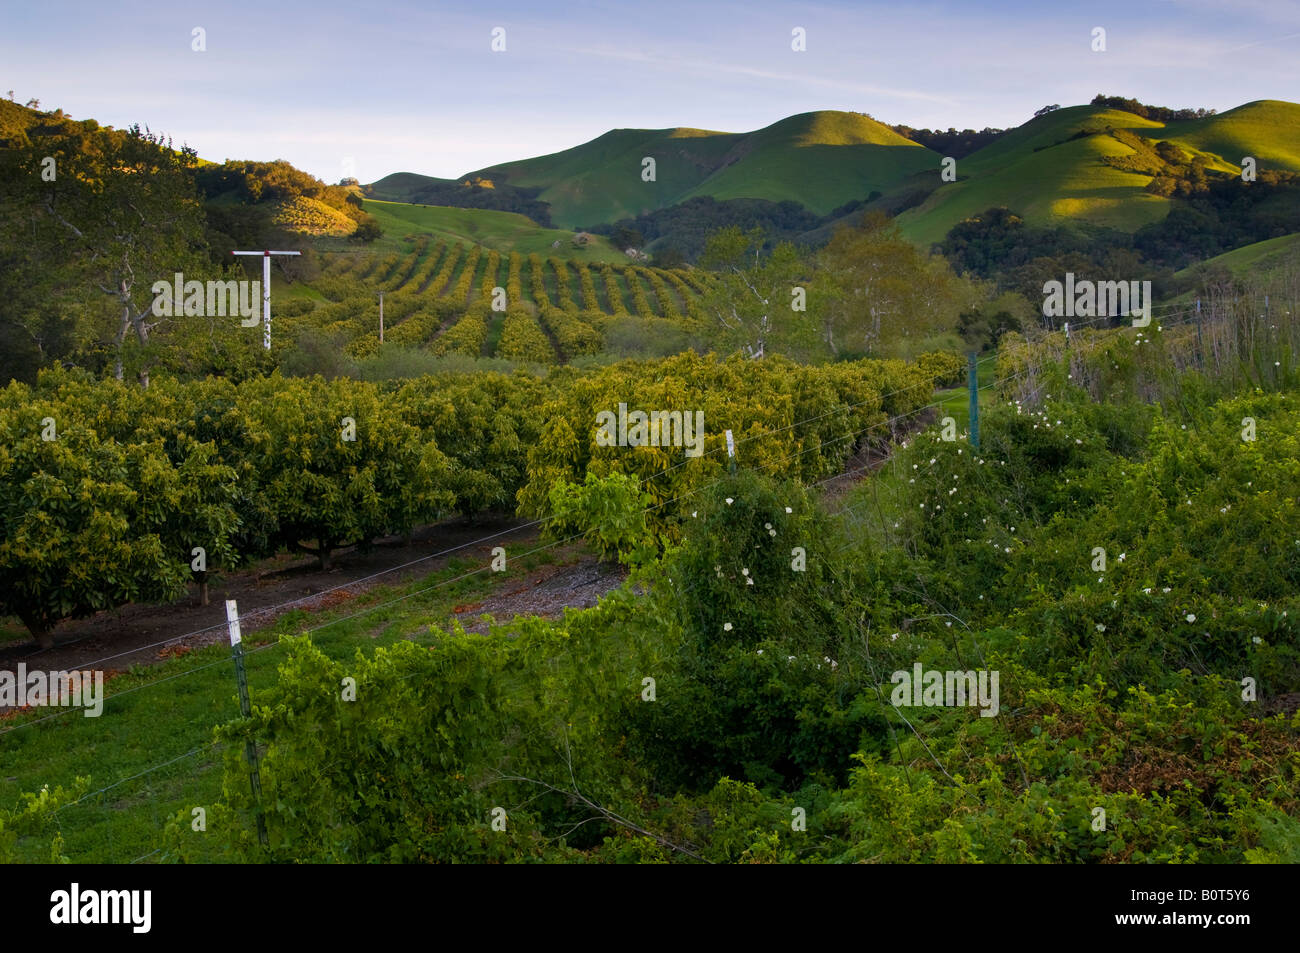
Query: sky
{"x": 366, "y": 89}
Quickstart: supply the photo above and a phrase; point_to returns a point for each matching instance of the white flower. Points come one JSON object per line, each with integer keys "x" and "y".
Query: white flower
{"x": 1190, "y": 617}
{"x": 1256, "y": 639}
{"x": 1121, "y": 556}
{"x": 1100, "y": 627}
{"x": 694, "y": 513}
{"x": 726, "y": 627}
{"x": 1165, "y": 589}
{"x": 744, "y": 572}
{"x": 1147, "y": 591}
{"x": 788, "y": 510}
{"x": 749, "y": 582}
{"x": 894, "y": 637}
{"x": 728, "y": 501}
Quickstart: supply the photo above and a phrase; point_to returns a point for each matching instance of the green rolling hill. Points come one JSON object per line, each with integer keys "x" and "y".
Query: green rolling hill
{"x": 1055, "y": 169}
{"x": 1256, "y": 258}
{"x": 1051, "y": 170}
{"x": 819, "y": 159}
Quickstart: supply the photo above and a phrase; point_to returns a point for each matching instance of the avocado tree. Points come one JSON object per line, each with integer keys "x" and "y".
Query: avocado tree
{"x": 75, "y": 533}
{"x": 339, "y": 465}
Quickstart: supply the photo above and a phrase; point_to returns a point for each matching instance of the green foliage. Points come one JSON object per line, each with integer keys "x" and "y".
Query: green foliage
{"x": 35, "y": 817}
{"x": 609, "y": 512}
{"x": 523, "y": 340}
{"x": 92, "y": 523}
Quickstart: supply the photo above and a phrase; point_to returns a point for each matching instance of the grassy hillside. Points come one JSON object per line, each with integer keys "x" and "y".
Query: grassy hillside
{"x": 1256, "y": 259}
{"x": 1047, "y": 176}
{"x": 1052, "y": 178}
{"x": 1052, "y": 170}
{"x": 853, "y": 156}
{"x": 503, "y": 231}
{"x": 1267, "y": 129}
{"x": 820, "y": 159}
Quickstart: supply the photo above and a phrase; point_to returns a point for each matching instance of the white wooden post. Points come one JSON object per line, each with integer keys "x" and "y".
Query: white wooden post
{"x": 266, "y": 289}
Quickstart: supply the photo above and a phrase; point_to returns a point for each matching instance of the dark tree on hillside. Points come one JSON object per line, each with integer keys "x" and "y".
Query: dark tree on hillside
{"x": 668, "y": 257}
{"x": 624, "y": 236}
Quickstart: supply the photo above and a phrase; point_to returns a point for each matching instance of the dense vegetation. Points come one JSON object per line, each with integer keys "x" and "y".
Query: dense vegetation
{"x": 738, "y": 709}
{"x": 106, "y": 489}
{"x": 1159, "y": 113}
{"x": 685, "y": 228}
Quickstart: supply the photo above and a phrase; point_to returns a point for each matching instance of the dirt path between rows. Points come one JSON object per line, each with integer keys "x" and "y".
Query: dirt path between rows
{"x": 132, "y": 634}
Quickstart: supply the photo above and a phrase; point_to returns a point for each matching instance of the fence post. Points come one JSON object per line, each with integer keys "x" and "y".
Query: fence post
{"x": 381, "y": 317}
{"x": 1200, "y": 346}
{"x": 246, "y": 708}
{"x": 972, "y": 377}
{"x": 731, "y": 454}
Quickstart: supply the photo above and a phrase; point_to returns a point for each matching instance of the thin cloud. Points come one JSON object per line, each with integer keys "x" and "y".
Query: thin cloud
{"x": 699, "y": 66}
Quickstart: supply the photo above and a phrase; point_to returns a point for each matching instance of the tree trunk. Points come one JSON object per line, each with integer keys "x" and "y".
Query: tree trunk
{"x": 203, "y": 589}
{"x": 41, "y": 632}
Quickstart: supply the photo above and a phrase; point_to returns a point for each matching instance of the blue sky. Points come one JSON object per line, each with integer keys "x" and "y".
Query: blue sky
{"x": 381, "y": 87}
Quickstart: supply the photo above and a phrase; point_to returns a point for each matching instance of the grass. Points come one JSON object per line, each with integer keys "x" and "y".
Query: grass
{"x": 1267, "y": 129}
{"x": 1254, "y": 258}
{"x": 954, "y": 402}
{"x": 165, "y": 713}
{"x": 820, "y": 159}
{"x": 503, "y": 231}
{"x": 1064, "y": 182}
{"x": 1050, "y": 179}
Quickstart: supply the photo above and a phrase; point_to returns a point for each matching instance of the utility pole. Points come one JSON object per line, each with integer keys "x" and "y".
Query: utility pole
{"x": 266, "y": 289}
